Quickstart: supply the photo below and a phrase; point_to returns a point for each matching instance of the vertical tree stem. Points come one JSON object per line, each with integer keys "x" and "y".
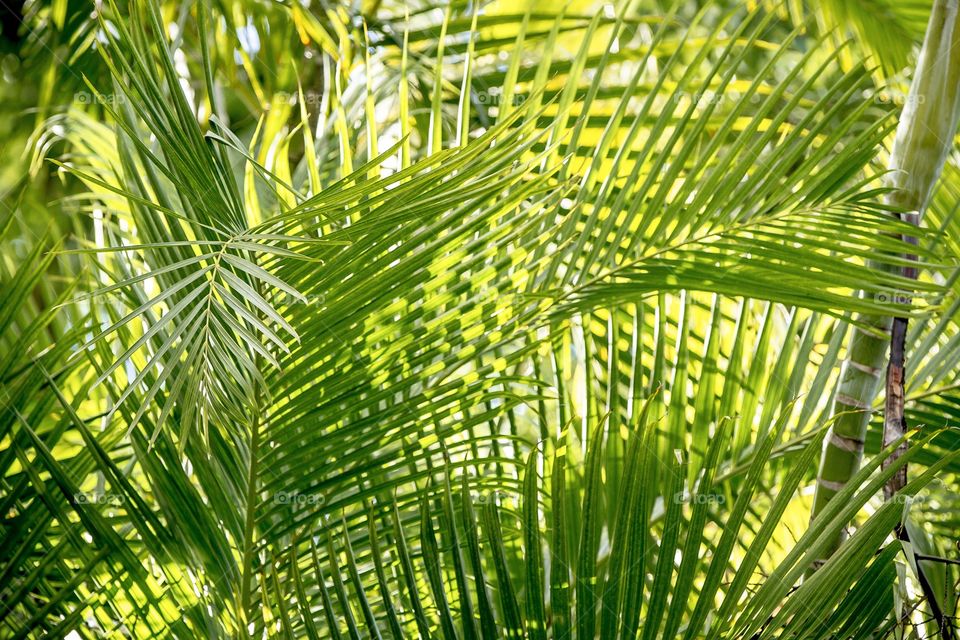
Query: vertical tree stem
{"x": 923, "y": 139}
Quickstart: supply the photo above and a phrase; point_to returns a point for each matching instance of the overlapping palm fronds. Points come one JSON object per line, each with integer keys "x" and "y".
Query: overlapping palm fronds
{"x": 411, "y": 337}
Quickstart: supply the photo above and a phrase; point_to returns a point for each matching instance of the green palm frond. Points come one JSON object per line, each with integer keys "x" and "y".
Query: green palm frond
{"x": 888, "y": 31}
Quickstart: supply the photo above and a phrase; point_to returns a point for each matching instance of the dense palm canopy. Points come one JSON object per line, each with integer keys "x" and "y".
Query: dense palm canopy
{"x": 466, "y": 321}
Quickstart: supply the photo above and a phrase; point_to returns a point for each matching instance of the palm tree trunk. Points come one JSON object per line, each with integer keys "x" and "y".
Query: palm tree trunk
{"x": 924, "y": 137}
